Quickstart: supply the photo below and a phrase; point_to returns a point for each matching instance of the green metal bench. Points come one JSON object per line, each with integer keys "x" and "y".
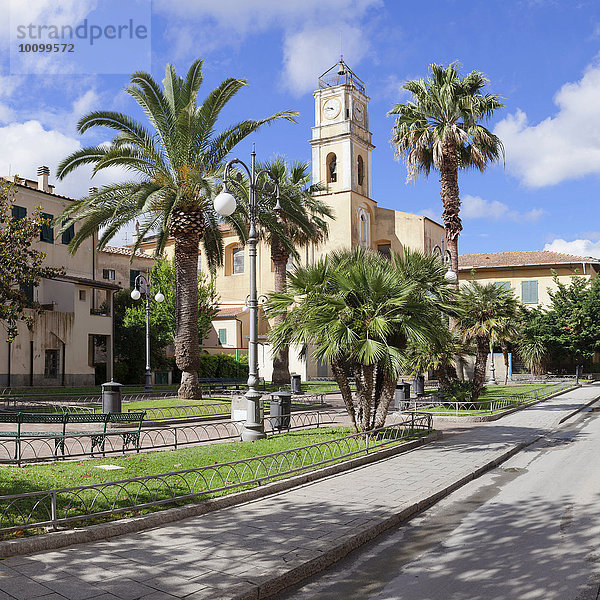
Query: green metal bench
{"x": 98, "y": 438}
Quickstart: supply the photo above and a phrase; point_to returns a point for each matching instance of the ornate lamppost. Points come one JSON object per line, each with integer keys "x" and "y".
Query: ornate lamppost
{"x": 225, "y": 204}
{"x": 446, "y": 258}
{"x": 144, "y": 281}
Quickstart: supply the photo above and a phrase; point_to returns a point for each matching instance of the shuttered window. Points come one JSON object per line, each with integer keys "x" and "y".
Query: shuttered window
{"x": 503, "y": 285}
{"x": 529, "y": 292}
{"x": 68, "y": 234}
{"x": 18, "y": 212}
{"x": 47, "y": 233}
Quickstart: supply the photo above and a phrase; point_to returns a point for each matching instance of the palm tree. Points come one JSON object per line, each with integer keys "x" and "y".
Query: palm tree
{"x": 175, "y": 164}
{"x": 359, "y": 313}
{"x": 484, "y": 315}
{"x": 439, "y": 129}
{"x": 302, "y": 221}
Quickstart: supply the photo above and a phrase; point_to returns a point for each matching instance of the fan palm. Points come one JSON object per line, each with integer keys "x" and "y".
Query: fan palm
{"x": 359, "y": 313}
{"x": 439, "y": 128}
{"x": 302, "y": 220}
{"x": 174, "y": 164}
{"x": 485, "y": 314}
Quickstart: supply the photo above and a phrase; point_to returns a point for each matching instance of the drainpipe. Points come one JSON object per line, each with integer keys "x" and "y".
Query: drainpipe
{"x": 64, "y": 354}
{"x": 31, "y": 363}
{"x": 9, "y": 365}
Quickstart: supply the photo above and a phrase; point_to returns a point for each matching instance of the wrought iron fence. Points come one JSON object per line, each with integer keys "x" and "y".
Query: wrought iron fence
{"x": 440, "y": 405}
{"x": 164, "y": 413}
{"x": 40, "y": 447}
{"x": 53, "y": 508}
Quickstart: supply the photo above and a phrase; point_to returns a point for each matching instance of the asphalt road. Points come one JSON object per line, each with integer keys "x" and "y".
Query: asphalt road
{"x": 529, "y": 529}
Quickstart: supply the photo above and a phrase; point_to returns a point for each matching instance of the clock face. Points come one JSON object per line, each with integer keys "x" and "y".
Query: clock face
{"x": 331, "y": 108}
{"x": 359, "y": 112}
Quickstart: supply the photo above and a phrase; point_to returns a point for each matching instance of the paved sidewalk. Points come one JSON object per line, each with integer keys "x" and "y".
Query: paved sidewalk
{"x": 257, "y": 548}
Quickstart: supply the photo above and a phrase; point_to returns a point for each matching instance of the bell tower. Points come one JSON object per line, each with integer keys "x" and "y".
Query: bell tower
{"x": 341, "y": 141}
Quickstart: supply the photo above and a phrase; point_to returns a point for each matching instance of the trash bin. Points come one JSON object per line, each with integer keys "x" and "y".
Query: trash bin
{"x": 402, "y": 397}
{"x": 111, "y": 397}
{"x": 281, "y": 408}
{"x": 419, "y": 384}
{"x": 296, "y": 384}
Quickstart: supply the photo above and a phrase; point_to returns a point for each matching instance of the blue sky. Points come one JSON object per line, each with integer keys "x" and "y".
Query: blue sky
{"x": 542, "y": 56}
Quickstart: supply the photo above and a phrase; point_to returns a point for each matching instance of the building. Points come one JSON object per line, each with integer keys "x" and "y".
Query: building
{"x": 529, "y": 274}
{"x": 71, "y": 342}
{"x": 342, "y": 161}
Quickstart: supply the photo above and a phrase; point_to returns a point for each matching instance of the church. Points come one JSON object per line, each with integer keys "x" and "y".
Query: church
{"x": 342, "y": 159}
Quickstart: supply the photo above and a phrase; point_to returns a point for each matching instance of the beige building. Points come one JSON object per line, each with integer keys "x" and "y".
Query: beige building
{"x": 342, "y": 161}
{"x": 529, "y": 274}
{"x": 72, "y": 339}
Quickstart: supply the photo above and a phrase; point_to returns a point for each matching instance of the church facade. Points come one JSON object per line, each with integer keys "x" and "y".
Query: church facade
{"x": 342, "y": 161}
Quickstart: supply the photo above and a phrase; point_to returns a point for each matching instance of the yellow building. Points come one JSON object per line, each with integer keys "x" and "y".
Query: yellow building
{"x": 342, "y": 162}
{"x": 63, "y": 347}
{"x": 529, "y": 274}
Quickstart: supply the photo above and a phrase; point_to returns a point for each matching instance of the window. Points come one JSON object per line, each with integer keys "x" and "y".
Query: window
{"x": 503, "y": 285}
{"x": 529, "y": 292}
{"x": 385, "y": 250}
{"x": 364, "y": 228}
{"x": 82, "y": 295}
{"x": 238, "y": 261}
{"x": 222, "y": 333}
{"x": 110, "y": 274}
{"x": 51, "y": 364}
{"x": 133, "y": 273}
{"x": 331, "y": 168}
{"x": 47, "y": 233}
{"x": 27, "y": 289}
{"x": 18, "y": 212}
{"x": 68, "y": 234}
{"x": 360, "y": 170}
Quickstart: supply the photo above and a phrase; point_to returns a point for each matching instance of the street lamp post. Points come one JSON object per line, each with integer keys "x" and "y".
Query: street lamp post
{"x": 446, "y": 258}
{"x": 225, "y": 205}
{"x": 492, "y": 378}
{"x": 146, "y": 281}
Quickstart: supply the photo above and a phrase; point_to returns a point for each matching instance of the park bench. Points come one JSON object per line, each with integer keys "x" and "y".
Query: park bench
{"x": 225, "y": 383}
{"x": 98, "y": 437}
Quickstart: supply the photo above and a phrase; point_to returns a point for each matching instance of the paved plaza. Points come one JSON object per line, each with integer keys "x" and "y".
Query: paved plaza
{"x": 255, "y": 549}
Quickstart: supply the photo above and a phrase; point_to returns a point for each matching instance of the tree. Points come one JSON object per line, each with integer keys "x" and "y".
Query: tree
{"x": 21, "y": 265}
{"x": 360, "y": 313}
{"x": 175, "y": 165}
{"x": 301, "y": 221}
{"x": 484, "y": 313}
{"x": 439, "y": 128}
{"x": 162, "y": 314}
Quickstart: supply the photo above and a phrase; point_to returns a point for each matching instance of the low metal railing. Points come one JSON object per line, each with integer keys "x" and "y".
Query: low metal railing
{"x": 23, "y": 449}
{"x": 443, "y": 406}
{"x": 54, "y": 508}
{"x": 164, "y": 413}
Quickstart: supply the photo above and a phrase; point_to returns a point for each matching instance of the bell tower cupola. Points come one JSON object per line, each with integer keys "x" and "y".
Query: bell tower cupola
{"x": 341, "y": 141}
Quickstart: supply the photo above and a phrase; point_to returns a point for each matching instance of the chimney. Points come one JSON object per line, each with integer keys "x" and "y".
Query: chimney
{"x": 43, "y": 173}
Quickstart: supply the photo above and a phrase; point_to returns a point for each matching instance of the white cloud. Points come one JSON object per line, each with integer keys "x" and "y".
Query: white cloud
{"x": 430, "y": 214}
{"x": 30, "y": 146}
{"x": 475, "y": 207}
{"x": 562, "y": 147}
{"x": 576, "y": 247}
{"x": 310, "y": 52}
{"x": 311, "y": 31}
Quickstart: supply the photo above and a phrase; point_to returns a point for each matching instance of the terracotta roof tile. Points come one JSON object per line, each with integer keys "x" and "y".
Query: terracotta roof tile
{"x": 229, "y": 311}
{"x": 518, "y": 259}
{"x": 125, "y": 252}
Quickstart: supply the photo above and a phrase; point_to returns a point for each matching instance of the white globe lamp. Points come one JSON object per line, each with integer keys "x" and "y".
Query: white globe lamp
{"x": 135, "y": 294}
{"x": 225, "y": 203}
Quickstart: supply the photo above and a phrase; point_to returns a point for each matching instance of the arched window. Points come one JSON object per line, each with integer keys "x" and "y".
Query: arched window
{"x": 238, "y": 261}
{"x": 364, "y": 228}
{"x": 360, "y": 170}
{"x": 331, "y": 168}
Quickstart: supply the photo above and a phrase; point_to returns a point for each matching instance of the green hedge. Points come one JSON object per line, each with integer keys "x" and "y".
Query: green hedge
{"x": 222, "y": 366}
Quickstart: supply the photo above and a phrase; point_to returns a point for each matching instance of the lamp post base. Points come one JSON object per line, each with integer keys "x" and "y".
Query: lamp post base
{"x": 254, "y": 428}
{"x": 148, "y": 383}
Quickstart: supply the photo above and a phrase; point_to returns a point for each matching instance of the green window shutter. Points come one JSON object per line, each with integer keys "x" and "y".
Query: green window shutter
{"x": 27, "y": 289}
{"x": 18, "y": 212}
{"x": 222, "y": 336}
{"x": 68, "y": 234}
{"x": 47, "y": 233}
{"x": 104, "y": 273}
{"x": 133, "y": 273}
{"x": 529, "y": 292}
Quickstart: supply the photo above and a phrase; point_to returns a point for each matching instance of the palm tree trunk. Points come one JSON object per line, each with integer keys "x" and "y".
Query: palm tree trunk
{"x": 364, "y": 375}
{"x": 504, "y": 347}
{"x": 337, "y": 366}
{"x": 187, "y": 349}
{"x": 483, "y": 348}
{"x": 281, "y": 361}
{"x": 451, "y": 200}
{"x": 387, "y": 395}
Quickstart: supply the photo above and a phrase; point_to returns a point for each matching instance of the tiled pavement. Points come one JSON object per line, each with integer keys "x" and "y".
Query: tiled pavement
{"x": 254, "y": 549}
